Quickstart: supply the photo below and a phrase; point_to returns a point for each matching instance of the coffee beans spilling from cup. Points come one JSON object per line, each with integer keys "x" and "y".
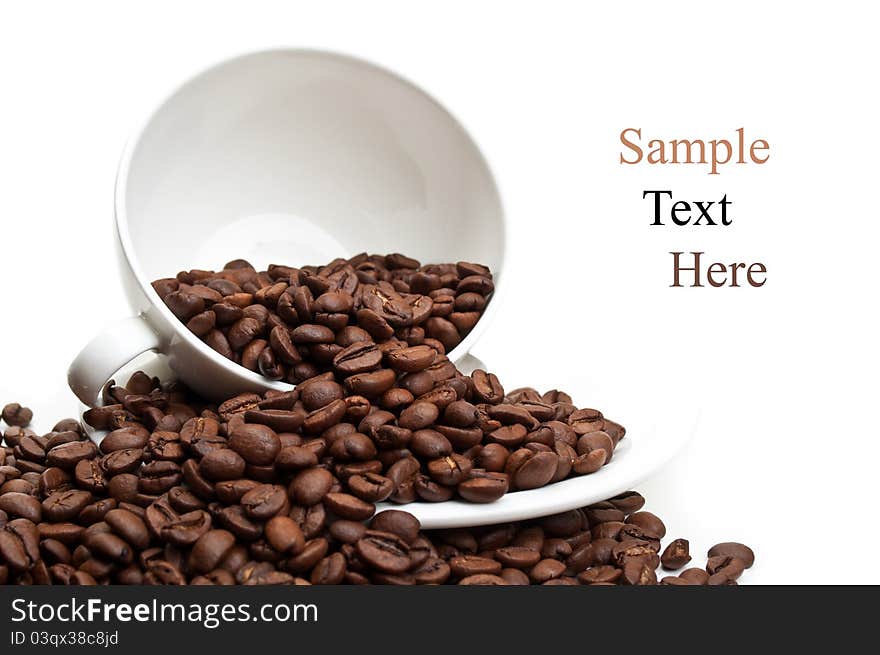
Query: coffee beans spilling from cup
{"x": 293, "y": 323}
{"x": 200, "y": 497}
{"x": 413, "y": 429}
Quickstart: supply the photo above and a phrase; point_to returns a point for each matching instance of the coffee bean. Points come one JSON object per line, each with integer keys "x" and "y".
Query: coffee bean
{"x": 67, "y": 455}
{"x": 733, "y": 549}
{"x": 110, "y": 547}
{"x": 517, "y": 557}
{"x": 235, "y": 520}
{"x": 210, "y": 549}
{"x": 676, "y": 555}
{"x": 694, "y": 576}
{"x": 602, "y": 574}
{"x": 483, "y": 579}
{"x": 487, "y": 388}
{"x": 329, "y": 570}
{"x": 412, "y": 359}
{"x": 284, "y": 535}
{"x": 370, "y": 487}
{"x": 21, "y": 505}
{"x": 648, "y": 522}
{"x": 257, "y": 444}
{"x": 418, "y": 415}
{"x": 535, "y": 471}
{"x": 15, "y": 414}
{"x": 66, "y": 505}
{"x": 348, "y": 507}
{"x": 384, "y": 551}
{"x": 222, "y": 464}
{"x": 19, "y": 544}
{"x": 129, "y": 526}
{"x": 628, "y": 502}
{"x": 122, "y": 438}
{"x": 310, "y": 486}
{"x": 430, "y": 444}
{"x": 724, "y": 565}
{"x": 265, "y": 501}
{"x": 546, "y": 569}
{"x": 486, "y": 488}
{"x": 186, "y": 529}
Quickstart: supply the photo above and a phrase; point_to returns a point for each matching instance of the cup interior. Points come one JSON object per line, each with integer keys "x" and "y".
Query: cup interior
{"x": 297, "y": 157}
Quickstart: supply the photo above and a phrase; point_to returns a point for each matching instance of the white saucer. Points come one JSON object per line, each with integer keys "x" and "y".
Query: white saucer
{"x": 645, "y": 448}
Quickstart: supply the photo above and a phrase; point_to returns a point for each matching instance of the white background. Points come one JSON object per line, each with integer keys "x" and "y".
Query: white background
{"x": 783, "y": 379}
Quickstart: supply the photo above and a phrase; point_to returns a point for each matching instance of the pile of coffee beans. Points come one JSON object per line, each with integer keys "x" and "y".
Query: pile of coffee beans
{"x": 416, "y": 430}
{"x": 293, "y": 323}
{"x": 268, "y": 491}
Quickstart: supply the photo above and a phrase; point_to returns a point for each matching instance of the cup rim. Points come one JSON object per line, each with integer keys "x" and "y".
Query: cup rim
{"x": 252, "y": 378}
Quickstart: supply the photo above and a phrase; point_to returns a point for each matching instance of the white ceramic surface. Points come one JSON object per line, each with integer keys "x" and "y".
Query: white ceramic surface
{"x": 292, "y": 157}
{"x": 637, "y": 456}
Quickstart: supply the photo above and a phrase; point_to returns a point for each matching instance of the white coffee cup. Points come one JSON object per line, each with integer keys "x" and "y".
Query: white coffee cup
{"x": 293, "y": 157}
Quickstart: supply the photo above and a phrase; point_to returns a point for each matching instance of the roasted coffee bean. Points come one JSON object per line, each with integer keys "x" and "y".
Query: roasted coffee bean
{"x": 126, "y": 460}
{"x": 359, "y": 357}
{"x": 325, "y": 417}
{"x": 186, "y": 529}
{"x": 353, "y": 446}
{"x": 650, "y": 523}
{"x": 295, "y": 458}
{"x": 129, "y": 526}
{"x": 127, "y": 437}
{"x": 694, "y": 576}
{"x": 257, "y": 444}
{"x": 158, "y": 476}
{"x": 733, "y": 549}
{"x": 265, "y": 501}
{"x": 310, "y": 486}
{"x": 487, "y": 388}
{"x": 67, "y": 455}
{"x": 15, "y": 414}
{"x": 486, "y": 488}
{"x": 370, "y": 487}
{"x": 230, "y": 492}
{"x": 483, "y": 579}
{"x": 210, "y": 549}
{"x": 284, "y": 535}
{"x": 676, "y": 555}
{"x": 21, "y": 505}
{"x": 467, "y": 565}
{"x": 109, "y": 547}
{"x": 628, "y": 502}
{"x": 348, "y": 507}
{"x": 329, "y": 570}
{"x": 412, "y": 359}
{"x": 222, "y": 464}
{"x": 433, "y": 571}
{"x": 429, "y": 490}
{"x": 517, "y": 557}
{"x": 535, "y": 471}
{"x": 418, "y": 416}
{"x": 19, "y": 544}
{"x": 52, "y": 480}
{"x": 64, "y": 506}
{"x": 403, "y": 524}
{"x": 372, "y": 384}
{"x": 235, "y": 520}
{"x": 429, "y": 444}
{"x": 384, "y": 551}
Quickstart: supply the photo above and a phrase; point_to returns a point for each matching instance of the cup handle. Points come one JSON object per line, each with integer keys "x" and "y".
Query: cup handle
{"x": 118, "y": 344}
